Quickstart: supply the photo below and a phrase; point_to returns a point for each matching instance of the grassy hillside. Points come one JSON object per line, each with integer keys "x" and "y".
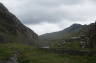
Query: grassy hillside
{"x": 75, "y": 30}
{"x": 28, "y": 54}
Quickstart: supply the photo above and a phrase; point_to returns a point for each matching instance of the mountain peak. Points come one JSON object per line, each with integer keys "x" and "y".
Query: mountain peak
{"x": 76, "y": 24}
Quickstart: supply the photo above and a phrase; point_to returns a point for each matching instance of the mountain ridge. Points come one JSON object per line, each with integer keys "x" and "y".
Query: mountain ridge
{"x": 74, "y": 30}
{"x": 66, "y": 30}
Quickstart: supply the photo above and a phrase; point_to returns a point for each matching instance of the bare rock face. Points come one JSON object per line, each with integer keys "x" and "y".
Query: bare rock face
{"x": 12, "y": 30}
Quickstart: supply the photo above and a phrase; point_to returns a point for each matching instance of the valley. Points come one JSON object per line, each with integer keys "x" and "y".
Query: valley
{"x": 20, "y": 44}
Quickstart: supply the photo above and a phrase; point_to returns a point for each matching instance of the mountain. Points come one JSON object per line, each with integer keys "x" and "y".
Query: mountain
{"x": 57, "y": 35}
{"x": 12, "y": 30}
{"x": 72, "y": 31}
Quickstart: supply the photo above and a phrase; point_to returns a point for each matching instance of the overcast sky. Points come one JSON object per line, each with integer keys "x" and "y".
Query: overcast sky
{"x": 45, "y": 16}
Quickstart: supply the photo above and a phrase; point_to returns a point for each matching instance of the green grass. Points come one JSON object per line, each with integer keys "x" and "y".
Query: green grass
{"x": 29, "y": 54}
{"x": 69, "y": 46}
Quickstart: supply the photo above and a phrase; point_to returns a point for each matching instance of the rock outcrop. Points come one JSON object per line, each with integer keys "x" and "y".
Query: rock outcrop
{"x": 12, "y": 30}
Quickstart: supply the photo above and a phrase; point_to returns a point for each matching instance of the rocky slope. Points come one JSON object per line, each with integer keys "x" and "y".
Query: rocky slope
{"x": 12, "y": 30}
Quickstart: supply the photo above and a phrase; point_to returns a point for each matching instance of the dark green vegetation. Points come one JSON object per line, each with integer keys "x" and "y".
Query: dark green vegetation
{"x": 92, "y": 35}
{"x": 28, "y": 54}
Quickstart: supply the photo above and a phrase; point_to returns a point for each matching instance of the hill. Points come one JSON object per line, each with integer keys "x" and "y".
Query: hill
{"x": 12, "y": 30}
{"x": 60, "y": 34}
{"x": 74, "y": 30}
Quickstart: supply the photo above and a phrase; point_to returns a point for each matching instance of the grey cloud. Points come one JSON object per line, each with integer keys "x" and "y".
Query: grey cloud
{"x": 58, "y": 2}
{"x": 38, "y": 11}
